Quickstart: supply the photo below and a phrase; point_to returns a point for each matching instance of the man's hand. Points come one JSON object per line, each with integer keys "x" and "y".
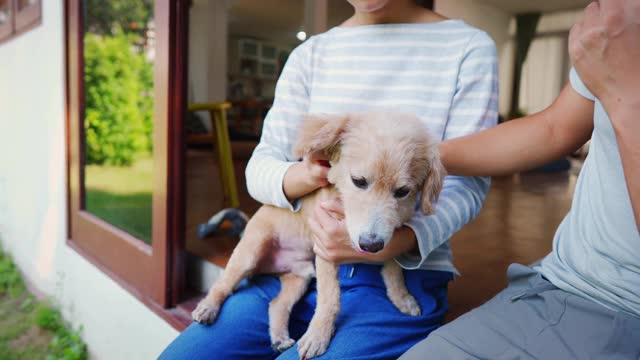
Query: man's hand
{"x": 605, "y": 47}
{"x": 605, "y": 50}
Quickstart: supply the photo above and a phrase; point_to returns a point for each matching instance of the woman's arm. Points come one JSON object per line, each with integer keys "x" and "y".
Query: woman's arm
{"x": 474, "y": 107}
{"x": 523, "y": 143}
{"x": 273, "y": 177}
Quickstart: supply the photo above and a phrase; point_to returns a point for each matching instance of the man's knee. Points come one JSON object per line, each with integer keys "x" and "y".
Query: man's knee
{"x": 436, "y": 346}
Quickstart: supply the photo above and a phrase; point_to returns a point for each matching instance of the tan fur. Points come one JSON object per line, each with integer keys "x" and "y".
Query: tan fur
{"x": 433, "y": 183}
{"x": 292, "y": 288}
{"x": 389, "y": 149}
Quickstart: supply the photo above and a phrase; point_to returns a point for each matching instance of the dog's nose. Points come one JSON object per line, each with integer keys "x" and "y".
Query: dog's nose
{"x": 370, "y": 243}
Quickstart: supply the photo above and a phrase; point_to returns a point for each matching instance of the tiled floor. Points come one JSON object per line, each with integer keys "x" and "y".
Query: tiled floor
{"x": 517, "y": 224}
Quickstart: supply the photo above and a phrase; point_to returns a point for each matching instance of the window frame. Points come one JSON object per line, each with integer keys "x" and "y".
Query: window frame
{"x": 20, "y": 21}
{"x": 6, "y": 29}
{"x": 152, "y": 273}
{"x": 28, "y": 17}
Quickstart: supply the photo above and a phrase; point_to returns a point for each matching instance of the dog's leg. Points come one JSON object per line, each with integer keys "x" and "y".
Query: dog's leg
{"x": 397, "y": 289}
{"x": 243, "y": 261}
{"x": 316, "y": 340}
{"x": 293, "y": 287}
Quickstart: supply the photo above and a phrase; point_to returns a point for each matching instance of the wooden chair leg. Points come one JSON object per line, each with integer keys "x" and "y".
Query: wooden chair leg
{"x": 225, "y": 159}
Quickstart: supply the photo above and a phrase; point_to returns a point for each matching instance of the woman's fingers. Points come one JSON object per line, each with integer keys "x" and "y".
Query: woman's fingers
{"x": 319, "y": 171}
{"x": 328, "y": 223}
{"x": 333, "y": 206}
{"x": 319, "y": 174}
{"x": 320, "y": 242}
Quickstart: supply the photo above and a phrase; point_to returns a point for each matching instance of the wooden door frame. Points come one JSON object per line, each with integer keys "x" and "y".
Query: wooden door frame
{"x": 153, "y": 273}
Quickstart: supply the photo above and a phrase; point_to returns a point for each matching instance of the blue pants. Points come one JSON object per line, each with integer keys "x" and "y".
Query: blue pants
{"x": 368, "y": 326}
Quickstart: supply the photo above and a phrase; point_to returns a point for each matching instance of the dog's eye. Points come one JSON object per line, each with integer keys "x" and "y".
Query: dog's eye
{"x": 359, "y": 182}
{"x": 401, "y": 192}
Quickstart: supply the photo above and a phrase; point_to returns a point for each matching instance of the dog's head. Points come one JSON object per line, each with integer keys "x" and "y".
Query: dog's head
{"x": 380, "y": 163}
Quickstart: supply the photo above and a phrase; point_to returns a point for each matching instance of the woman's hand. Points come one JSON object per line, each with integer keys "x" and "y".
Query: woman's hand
{"x": 317, "y": 169}
{"x": 306, "y": 176}
{"x": 330, "y": 236}
{"x": 605, "y": 47}
{"x": 332, "y": 241}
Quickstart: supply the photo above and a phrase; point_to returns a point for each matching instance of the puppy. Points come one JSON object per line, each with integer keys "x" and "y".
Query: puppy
{"x": 380, "y": 163}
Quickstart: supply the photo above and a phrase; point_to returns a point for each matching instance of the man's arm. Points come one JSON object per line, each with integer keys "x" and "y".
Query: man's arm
{"x": 605, "y": 50}
{"x": 523, "y": 143}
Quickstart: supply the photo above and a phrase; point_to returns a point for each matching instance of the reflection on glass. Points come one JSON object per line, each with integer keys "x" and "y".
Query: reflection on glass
{"x": 118, "y": 123}
{"x": 25, "y": 3}
{"x": 5, "y": 11}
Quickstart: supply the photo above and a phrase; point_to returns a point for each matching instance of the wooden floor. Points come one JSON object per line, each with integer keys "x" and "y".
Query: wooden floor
{"x": 517, "y": 224}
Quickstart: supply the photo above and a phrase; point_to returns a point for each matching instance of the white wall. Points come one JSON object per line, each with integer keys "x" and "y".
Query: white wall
{"x": 33, "y": 200}
{"x": 545, "y": 70}
{"x": 496, "y": 23}
{"x": 208, "y": 53}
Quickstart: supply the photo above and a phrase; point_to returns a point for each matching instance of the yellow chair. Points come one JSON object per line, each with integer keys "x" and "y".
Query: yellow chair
{"x": 222, "y": 145}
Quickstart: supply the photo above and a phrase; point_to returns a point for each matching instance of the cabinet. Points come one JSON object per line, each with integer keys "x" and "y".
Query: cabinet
{"x": 258, "y": 59}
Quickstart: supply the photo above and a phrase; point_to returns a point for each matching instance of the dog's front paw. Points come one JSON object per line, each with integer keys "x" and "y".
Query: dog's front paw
{"x": 314, "y": 342}
{"x": 282, "y": 344}
{"x": 407, "y": 304}
{"x": 205, "y": 312}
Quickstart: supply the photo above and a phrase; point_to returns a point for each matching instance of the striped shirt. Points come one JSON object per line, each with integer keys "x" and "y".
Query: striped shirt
{"x": 444, "y": 72}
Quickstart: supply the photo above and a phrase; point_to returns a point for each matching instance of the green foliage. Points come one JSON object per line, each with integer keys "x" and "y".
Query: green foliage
{"x": 118, "y": 100}
{"x": 122, "y": 196}
{"x": 129, "y": 15}
{"x": 48, "y": 318}
{"x": 10, "y": 280}
{"x": 21, "y": 315}
{"x": 66, "y": 344}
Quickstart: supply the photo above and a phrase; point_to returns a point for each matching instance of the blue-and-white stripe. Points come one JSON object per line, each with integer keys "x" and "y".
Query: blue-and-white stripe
{"x": 446, "y": 73}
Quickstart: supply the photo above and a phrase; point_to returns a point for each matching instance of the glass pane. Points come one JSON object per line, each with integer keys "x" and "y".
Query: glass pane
{"x": 25, "y": 3}
{"x": 118, "y": 123}
{"x": 5, "y": 11}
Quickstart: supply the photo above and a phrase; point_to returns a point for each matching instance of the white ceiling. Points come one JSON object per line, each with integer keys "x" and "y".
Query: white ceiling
{"x": 278, "y": 19}
{"x": 522, "y": 6}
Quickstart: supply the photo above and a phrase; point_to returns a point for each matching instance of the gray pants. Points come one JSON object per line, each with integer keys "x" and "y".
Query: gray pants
{"x": 532, "y": 319}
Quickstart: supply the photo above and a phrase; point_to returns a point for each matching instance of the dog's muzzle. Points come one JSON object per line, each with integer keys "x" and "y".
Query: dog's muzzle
{"x": 371, "y": 243}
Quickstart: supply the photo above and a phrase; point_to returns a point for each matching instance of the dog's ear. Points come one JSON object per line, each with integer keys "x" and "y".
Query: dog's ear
{"x": 433, "y": 181}
{"x": 320, "y": 133}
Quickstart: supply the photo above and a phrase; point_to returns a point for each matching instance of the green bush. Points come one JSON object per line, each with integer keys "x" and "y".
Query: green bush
{"x": 10, "y": 280}
{"x": 118, "y": 99}
{"x": 129, "y": 15}
{"x": 20, "y": 313}
{"x": 66, "y": 344}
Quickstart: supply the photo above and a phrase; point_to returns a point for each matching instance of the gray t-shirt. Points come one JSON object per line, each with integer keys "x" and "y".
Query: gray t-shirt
{"x": 596, "y": 250}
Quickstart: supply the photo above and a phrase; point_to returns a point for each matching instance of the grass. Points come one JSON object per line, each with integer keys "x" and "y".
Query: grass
{"x": 30, "y": 329}
{"x": 122, "y": 196}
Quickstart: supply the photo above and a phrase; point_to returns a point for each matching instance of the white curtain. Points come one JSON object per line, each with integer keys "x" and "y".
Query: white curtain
{"x": 544, "y": 73}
